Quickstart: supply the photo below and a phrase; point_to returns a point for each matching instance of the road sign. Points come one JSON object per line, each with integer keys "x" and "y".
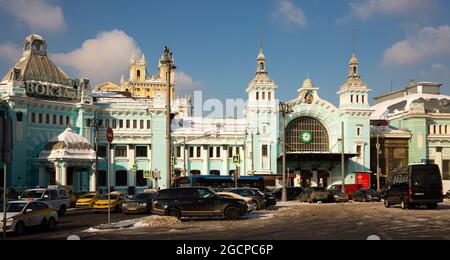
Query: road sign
{"x": 110, "y": 135}
{"x": 236, "y": 159}
{"x": 147, "y": 174}
{"x": 134, "y": 168}
{"x": 156, "y": 174}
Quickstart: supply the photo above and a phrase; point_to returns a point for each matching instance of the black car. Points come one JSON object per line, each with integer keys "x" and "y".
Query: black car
{"x": 197, "y": 202}
{"x": 366, "y": 195}
{"x": 293, "y": 193}
{"x": 314, "y": 194}
{"x": 415, "y": 185}
{"x": 139, "y": 203}
{"x": 259, "y": 198}
{"x": 337, "y": 195}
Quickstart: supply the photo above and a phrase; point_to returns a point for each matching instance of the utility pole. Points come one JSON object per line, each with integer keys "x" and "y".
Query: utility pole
{"x": 378, "y": 161}
{"x": 284, "y": 110}
{"x": 6, "y": 157}
{"x": 343, "y": 156}
{"x": 167, "y": 60}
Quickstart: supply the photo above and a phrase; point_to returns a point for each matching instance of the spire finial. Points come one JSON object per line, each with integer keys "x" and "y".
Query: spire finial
{"x": 354, "y": 41}
{"x": 261, "y": 42}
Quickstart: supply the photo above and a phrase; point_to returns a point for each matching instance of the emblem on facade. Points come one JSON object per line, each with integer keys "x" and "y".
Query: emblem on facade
{"x": 306, "y": 137}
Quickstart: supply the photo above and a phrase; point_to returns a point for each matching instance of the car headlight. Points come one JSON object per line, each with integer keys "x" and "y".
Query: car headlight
{"x": 143, "y": 204}
{"x": 125, "y": 205}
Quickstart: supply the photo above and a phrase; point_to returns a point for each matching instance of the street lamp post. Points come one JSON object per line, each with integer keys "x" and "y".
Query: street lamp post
{"x": 285, "y": 109}
{"x": 252, "y": 153}
{"x": 343, "y": 156}
{"x": 167, "y": 60}
{"x": 378, "y": 161}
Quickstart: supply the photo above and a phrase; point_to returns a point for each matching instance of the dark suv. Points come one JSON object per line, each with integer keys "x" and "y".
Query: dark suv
{"x": 293, "y": 193}
{"x": 197, "y": 202}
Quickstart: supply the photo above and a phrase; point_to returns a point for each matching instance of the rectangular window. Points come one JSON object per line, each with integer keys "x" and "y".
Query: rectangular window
{"x": 101, "y": 179}
{"x": 61, "y": 120}
{"x": 121, "y": 178}
{"x": 358, "y": 131}
{"x": 359, "y": 151}
{"x": 102, "y": 151}
{"x": 178, "y": 153}
{"x": 120, "y": 151}
{"x": 141, "y": 181}
{"x": 142, "y": 124}
{"x": 141, "y": 151}
{"x": 211, "y": 152}
{"x": 40, "y": 118}
{"x": 191, "y": 152}
{"x": 47, "y": 119}
{"x": 265, "y": 150}
{"x": 149, "y": 125}
{"x": 128, "y": 124}
{"x": 446, "y": 170}
{"x": 67, "y": 121}
{"x": 55, "y": 120}
{"x": 217, "y": 152}
{"x": 230, "y": 152}
{"x": 238, "y": 151}
{"x": 134, "y": 124}
{"x": 114, "y": 123}
{"x": 199, "y": 152}
{"x": 107, "y": 123}
{"x": 33, "y": 118}
{"x": 120, "y": 123}
{"x": 270, "y": 96}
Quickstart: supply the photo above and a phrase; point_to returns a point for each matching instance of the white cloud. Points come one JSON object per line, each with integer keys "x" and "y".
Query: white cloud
{"x": 438, "y": 66}
{"x": 289, "y": 14}
{"x": 9, "y": 52}
{"x": 37, "y": 14}
{"x": 427, "y": 43}
{"x": 185, "y": 83}
{"x": 369, "y": 8}
{"x": 102, "y": 59}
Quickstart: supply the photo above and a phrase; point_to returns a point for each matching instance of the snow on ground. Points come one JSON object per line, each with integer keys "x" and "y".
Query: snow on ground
{"x": 146, "y": 222}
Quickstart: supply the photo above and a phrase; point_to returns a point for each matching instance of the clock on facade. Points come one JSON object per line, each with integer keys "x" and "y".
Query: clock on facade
{"x": 309, "y": 99}
{"x": 306, "y": 137}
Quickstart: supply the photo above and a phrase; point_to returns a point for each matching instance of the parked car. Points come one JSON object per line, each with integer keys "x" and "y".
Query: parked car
{"x": 366, "y": 195}
{"x": 87, "y": 200}
{"x": 270, "y": 200}
{"x": 293, "y": 193}
{"x": 139, "y": 203}
{"x": 114, "y": 203}
{"x": 336, "y": 195}
{"x": 195, "y": 202}
{"x": 21, "y": 215}
{"x": 415, "y": 185}
{"x": 53, "y": 196}
{"x": 232, "y": 195}
{"x": 314, "y": 194}
{"x": 259, "y": 198}
{"x": 447, "y": 195}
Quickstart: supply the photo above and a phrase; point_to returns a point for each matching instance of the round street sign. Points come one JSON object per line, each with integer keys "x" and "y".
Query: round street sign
{"x": 110, "y": 135}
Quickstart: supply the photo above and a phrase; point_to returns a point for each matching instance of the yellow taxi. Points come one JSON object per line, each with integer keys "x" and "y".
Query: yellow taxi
{"x": 248, "y": 201}
{"x": 87, "y": 201}
{"x": 21, "y": 215}
{"x": 115, "y": 202}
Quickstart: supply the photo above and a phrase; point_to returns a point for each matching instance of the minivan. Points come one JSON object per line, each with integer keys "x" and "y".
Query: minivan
{"x": 197, "y": 202}
{"x": 414, "y": 186}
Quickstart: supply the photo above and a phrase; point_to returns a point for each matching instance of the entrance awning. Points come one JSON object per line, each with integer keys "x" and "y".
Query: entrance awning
{"x": 317, "y": 157}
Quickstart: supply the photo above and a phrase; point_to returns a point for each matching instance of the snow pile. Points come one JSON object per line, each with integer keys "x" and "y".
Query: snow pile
{"x": 147, "y": 222}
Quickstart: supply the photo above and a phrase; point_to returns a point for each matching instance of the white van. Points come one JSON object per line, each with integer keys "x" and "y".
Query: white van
{"x": 53, "y": 196}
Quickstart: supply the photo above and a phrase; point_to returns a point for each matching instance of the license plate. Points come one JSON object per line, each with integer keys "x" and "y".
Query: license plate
{"x": 132, "y": 209}
{"x": 419, "y": 194}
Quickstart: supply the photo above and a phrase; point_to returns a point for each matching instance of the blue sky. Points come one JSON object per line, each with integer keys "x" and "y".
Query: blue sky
{"x": 215, "y": 43}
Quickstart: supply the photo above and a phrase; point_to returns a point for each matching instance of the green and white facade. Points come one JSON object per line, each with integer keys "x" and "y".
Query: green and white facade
{"x": 54, "y": 123}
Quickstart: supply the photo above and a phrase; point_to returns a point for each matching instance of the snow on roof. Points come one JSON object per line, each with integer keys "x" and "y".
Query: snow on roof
{"x": 387, "y": 109}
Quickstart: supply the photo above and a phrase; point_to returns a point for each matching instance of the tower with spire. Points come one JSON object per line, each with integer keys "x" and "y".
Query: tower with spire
{"x": 138, "y": 69}
{"x": 262, "y": 121}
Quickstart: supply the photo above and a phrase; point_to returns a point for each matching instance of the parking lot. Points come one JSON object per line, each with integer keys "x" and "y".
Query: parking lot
{"x": 293, "y": 220}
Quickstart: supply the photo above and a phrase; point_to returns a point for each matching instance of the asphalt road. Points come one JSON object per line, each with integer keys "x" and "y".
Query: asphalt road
{"x": 73, "y": 223}
{"x": 350, "y": 221}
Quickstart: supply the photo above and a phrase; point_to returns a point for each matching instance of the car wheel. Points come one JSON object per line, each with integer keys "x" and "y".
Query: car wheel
{"x": 173, "y": 212}
{"x": 62, "y": 211}
{"x": 117, "y": 209}
{"x": 387, "y": 204}
{"x": 309, "y": 200}
{"x": 51, "y": 224}
{"x": 20, "y": 228}
{"x": 432, "y": 206}
{"x": 232, "y": 213}
{"x": 364, "y": 200}
{"x": 255, "y": 204}
{"x": 404, "y": 205}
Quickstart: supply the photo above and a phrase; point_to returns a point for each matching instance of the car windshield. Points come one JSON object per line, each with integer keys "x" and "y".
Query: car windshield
{"x": 204, "y": 194}
{"x": 14, "y": 207}
{"x": 32, "y": 194}
{"x": 88, "y": 196}
{"x": 105, "y": 197}
{"x": 141, "y": 196}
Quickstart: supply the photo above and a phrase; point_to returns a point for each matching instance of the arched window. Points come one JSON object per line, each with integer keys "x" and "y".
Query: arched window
{"x": 351, "y": 99}
{"x": 257, "y": 95}
{"x": 138, "y": 74}
{"x": 261, "y": 66}
{"x": 306, "y": 134}
{"x": 195, "y": 173}
{"x": 363, "y": 99}
{"x": 357, "y": 99}
{"x": 264, "y": 96}
{"x": 214, "y": 173}
{"x": 355, "y": 70}
{"x": 270, "y": 96}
